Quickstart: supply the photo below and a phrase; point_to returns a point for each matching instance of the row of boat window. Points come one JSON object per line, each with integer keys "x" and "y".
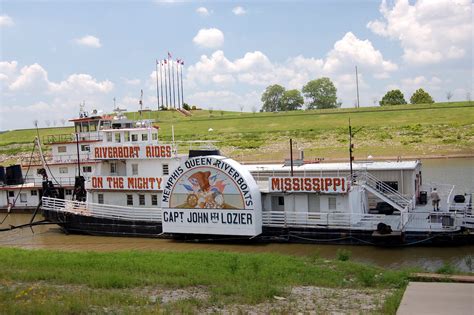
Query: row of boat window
{"x": 130, "y": 199}
{"x": 127, "y": 136}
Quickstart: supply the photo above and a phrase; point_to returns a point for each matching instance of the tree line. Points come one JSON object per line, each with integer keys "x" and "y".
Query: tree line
{"x": 320, "y": 93}
{"x": 396, "y": 97}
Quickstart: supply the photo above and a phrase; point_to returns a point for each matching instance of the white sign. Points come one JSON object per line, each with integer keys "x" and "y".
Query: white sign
{"x": 308, "y": 184}
{"x": 125, "y": 183}
{"x": 164, "y": 151}
{"x": 211, "y": 195}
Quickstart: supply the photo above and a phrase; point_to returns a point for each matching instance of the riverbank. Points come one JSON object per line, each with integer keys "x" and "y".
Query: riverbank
{"x": 419, "y": 131}
{"x": 44, "y": 281}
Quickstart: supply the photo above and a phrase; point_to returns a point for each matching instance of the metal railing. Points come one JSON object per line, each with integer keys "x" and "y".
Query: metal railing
{"x": 329, "y": 220}
{"x": 71, "y": 137}
{"x": 102, "y": 210}
{"x": 406, "y": 203}
{"x": 38, "y": 181}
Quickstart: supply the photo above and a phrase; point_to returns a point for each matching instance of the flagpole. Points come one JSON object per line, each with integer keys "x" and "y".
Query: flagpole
{"x": 169, "y": 78}
{"x": 182, "y": 95}
{"x": 177, "y": 80}
{"x": 174, "y": 87}
{"x": 157, "y": 87}
{"x": 166, "y": 86}
{"x": 161, "y": 82}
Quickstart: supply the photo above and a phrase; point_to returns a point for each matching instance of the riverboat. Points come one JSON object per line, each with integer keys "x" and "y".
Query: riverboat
{"x": 145, "y": 188}
{"x": 139, "y": 186}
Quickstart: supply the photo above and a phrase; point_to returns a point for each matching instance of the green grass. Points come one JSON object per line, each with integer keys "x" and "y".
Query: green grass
{"x": 409, "y": 130}
{"x": 31, "y": 276}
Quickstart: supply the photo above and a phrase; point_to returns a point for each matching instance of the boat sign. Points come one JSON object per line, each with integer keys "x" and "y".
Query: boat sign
{"x": 133, "y": 152}
{"x": 308, "y": 184}
{"x": 125, "y": 183}
{"x": 211, "y": 195}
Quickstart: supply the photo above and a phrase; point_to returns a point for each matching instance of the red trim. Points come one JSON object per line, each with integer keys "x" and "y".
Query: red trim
{"x": 83, "y": 119}
{"x": 66, "y": 163}
{"x": 29, "y": 187}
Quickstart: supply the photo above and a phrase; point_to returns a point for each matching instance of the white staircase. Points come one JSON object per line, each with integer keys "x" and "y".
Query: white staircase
{"x": 384, "y": 191}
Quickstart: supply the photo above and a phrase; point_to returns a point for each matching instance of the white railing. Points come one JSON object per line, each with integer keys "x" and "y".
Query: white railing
{"x": 364, "y": 177}
{"x": 102, "y": 210}
{"x": 329, "y": 220}
{"x": 38, "y": 181}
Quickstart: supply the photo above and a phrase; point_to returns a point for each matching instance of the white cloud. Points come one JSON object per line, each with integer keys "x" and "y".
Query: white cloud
{"x": 202, "y": 11}
{"x": 89, "y": 41}
{"x": 6, "y": 21}
{"x": 209, "y": 38}
{"x": 351, "y": 51}
{"x": 28, "y": 93}
{"x": 429, "y": 31}
{"x": 255, "y": 68}
{"x": 239, "y": 10}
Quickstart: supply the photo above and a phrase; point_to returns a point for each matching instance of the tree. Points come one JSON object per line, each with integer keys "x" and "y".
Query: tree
{"x": 421, "y": 97}
{"x": 186, "y": 106}
{"x": 449, "y": 94}
{"x": 321, "y": 93}
{"x": 271, "y": 98}
{"x": 292, "y": 100}
{"x": 393, "y": 97}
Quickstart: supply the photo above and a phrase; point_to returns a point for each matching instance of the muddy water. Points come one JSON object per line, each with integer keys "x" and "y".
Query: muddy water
{"x": 458, "y": 171}
{"x": 51, "y": 237}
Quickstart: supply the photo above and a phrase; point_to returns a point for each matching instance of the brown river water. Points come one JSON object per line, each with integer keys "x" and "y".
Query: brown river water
{"x": 457, "y": 171}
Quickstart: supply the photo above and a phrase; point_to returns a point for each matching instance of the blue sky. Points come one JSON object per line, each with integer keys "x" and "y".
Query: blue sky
{"x": 57, "y": 54}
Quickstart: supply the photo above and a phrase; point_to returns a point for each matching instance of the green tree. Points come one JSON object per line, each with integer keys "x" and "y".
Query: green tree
{"x": 393, "y": 97}
{"x": 321, "y": 93}
{"x": 421, "y": 97}
{"x": 272, "y": 97}
{"x": 292, "y": 100}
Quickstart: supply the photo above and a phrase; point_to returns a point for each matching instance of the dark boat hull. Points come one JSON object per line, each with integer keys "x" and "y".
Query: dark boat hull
{"x": 82, "y": 224}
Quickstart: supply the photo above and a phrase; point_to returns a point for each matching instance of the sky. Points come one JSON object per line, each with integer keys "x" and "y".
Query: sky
{"x": 55, "y": 55}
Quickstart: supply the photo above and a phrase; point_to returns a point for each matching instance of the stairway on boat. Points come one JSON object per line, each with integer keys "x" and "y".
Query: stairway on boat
{"x": 384, "y": 191}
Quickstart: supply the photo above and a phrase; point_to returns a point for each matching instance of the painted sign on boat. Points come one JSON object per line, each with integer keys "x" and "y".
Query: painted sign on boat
{"x": 308, "y": 184}
{"x": 211, "y": 195}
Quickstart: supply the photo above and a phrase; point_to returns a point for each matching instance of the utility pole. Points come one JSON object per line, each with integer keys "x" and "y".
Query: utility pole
{"x": 351, "y": 147}
{"x": 357, "y": 85}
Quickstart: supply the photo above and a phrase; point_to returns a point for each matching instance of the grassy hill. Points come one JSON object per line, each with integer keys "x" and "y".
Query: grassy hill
{"x": 407, "y": 130}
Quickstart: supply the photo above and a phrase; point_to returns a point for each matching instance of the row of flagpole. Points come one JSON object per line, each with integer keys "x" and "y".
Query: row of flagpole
{"x": 169, "y": 88}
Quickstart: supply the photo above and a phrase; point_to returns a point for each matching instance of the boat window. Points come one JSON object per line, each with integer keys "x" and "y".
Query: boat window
{"x": 117, "y": 137}
{"x": 134, "y": 137}
{"x": 144, "y": 137}
{"x": 134, "y": 169}
{"x": 113, "y": 168}
{"x": 63, "y": 170}
{"x": 100, "y": 198}
{"x": 154, "y": 200}
{"x": 141, "y": 200}
{"x": 23, "y": 197}
{"x": 281, "y": 200}
{"x": 154, "y": 136}
{"x": 129, "y": 200}
{"x": 86, "y": 147}
{"x": 68, "y": 192}
{"x": 34, "y": 193}
{"x": 87, "y": 169}
{"x": 332, "y": 203}
{"x": 166, "y": 170}
{"x": 127, "y": 136}
{"x": 62, "y": 149}
{"x": 109, "y": 136}
{"x": 11, "y": 194}
{"x": 93, "y": 127}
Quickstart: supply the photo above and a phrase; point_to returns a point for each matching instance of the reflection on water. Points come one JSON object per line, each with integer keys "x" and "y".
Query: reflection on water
{"x": 51, "y": 237}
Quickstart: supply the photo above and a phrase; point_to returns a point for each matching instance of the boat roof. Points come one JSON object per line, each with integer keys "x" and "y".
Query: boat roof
{"x": 370, "y": 166}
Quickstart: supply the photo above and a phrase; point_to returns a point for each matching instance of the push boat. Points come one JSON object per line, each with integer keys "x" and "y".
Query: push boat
{"x": 135, "y": 185}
